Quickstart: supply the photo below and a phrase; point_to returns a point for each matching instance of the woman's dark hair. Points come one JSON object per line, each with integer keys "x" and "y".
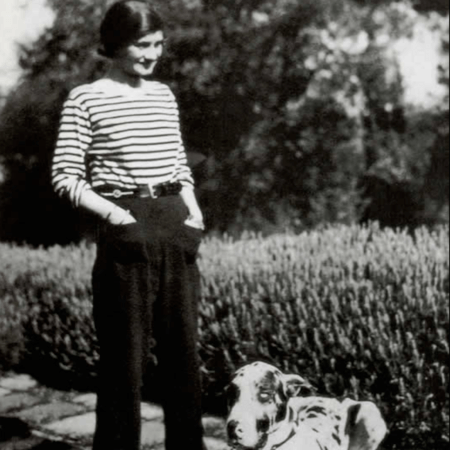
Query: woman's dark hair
{"x": 125, "y": 22}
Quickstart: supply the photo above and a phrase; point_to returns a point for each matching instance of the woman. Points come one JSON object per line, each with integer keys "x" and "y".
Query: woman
{"x": 120, "y": 156}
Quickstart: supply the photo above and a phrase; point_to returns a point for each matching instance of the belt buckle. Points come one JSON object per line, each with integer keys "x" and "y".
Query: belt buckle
{"x": 116, "y": 193}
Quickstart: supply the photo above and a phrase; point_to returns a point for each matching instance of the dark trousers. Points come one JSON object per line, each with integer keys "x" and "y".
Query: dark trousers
{"x": 146, "y": 288}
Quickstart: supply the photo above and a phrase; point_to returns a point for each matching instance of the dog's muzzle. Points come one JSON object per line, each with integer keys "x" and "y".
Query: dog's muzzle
{"x": 235, "y": 434}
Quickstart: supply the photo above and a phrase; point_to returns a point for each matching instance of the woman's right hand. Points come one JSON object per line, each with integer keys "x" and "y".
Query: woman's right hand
{"x": 119, "y": 216}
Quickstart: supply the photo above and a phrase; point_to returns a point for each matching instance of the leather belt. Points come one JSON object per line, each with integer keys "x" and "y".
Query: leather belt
{"x": 145, "y": 190}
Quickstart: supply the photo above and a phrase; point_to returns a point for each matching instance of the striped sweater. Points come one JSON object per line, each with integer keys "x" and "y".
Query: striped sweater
{"x": 113, "y": 135}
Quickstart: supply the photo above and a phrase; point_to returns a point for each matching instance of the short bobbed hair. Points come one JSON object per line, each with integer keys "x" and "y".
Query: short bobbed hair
{"x": 125, "y": 22}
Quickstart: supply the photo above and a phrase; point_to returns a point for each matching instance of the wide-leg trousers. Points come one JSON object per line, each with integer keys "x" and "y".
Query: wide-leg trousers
{"x": 146, "y": 287}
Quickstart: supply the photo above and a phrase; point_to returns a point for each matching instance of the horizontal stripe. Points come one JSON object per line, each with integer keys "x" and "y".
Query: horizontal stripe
{"x": 89, "y": 98}
{"x": 143, "y": 133}
{"x": 143, "y": 157}
{"x": 96, "y": 108}
{"x": 138, "y": 125}
{"x": 120, "y": 136}
{"x": 125, "y": 169}
{"x": 130, "y": 143}
{"x": 150, "y": 113}
{"x": 154, "y": 152}
{"x": 155, "y": 123}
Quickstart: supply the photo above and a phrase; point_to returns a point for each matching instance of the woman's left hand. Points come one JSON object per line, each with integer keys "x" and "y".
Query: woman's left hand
{"x": 195, "y": 221}
{"x": 195, "y": 218}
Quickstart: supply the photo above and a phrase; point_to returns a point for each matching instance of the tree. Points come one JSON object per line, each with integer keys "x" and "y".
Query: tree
{"x": 298, "y": 106}
{"x": 62, "y": 58}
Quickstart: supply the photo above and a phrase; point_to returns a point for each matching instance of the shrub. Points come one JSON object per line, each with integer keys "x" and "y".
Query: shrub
{"x": 45, "y": 301}
{"x": 359, "y": 311}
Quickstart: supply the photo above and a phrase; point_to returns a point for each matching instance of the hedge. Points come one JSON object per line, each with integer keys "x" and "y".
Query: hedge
{"x": 358, "y": 310}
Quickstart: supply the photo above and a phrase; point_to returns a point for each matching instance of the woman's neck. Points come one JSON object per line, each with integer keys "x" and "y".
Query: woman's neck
{"x": 119, "y": 76}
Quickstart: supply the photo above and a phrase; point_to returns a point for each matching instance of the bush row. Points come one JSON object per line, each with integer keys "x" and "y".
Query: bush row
{"x": 359, "y": 311}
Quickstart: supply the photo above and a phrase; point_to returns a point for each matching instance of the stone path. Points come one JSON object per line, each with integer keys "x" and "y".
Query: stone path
{"x": 33, "y": 417}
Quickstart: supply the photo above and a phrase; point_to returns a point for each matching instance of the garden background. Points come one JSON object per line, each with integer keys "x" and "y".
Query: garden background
{"x": 322, "y": 125}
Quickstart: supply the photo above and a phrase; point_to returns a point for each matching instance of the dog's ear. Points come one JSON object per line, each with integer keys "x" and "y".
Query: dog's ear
{"x": 365, "y": 427}
{"x": 296, "y": 386}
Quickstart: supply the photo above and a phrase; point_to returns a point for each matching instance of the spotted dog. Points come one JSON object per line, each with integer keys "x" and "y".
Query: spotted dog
{"x": 267, "y": 412}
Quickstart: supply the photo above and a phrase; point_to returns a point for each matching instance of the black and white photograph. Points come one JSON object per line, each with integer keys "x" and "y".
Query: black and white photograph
{"x": 224, "y": 225}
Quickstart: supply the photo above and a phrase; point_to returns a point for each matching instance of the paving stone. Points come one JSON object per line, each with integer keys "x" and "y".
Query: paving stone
{"x": 36, "y": 443}
{"x": 76, "y": 427}
{"x": 154, "y": 447}
{"x": 18, "y": 383}
{"x": 52, "y": 395}
{"x": 14, "y": 402}
{"x": 53, "y": 445}
{"x": 12, "y": 427}
{"x": 88, "y": 400}
{"x": 49, "y": 412}
{"x": 216, "y": 444}
{"x": 30, "y": 443}
{"x": 153, "y": 433}
{"x": 4, "y": 392}
{"x": 151, "y": 412}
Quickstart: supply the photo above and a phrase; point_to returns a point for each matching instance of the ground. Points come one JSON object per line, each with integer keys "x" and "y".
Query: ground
{"x": 35, "y": 417}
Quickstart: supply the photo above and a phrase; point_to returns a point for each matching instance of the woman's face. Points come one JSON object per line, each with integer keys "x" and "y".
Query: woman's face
{"x": 139, "y": 59}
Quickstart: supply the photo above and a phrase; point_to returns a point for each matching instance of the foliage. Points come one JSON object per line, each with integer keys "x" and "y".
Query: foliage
{"x": 348, "y": 308}
{"x": 62, "y": 58}
{"x": 359, "y": 311}
{"x": 299, "y": 107}
{"x": 45, "y": 310}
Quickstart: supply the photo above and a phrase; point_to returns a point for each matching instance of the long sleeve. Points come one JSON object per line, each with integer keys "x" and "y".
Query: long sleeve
{"x": 114, "y": 136}
{"x": 69, "y": 174}
{"x": 183, "y": 172}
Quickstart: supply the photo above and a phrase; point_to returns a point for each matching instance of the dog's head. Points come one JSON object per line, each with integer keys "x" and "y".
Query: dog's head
{"x": 257, "y": 398}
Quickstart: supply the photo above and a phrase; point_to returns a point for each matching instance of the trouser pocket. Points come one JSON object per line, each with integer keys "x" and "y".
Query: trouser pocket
{"x": 189, "y": 240}
{"x": 126, "y": 243}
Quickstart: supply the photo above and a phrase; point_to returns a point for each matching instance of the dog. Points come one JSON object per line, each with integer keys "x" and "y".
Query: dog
{"x": 269, "y": 410}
